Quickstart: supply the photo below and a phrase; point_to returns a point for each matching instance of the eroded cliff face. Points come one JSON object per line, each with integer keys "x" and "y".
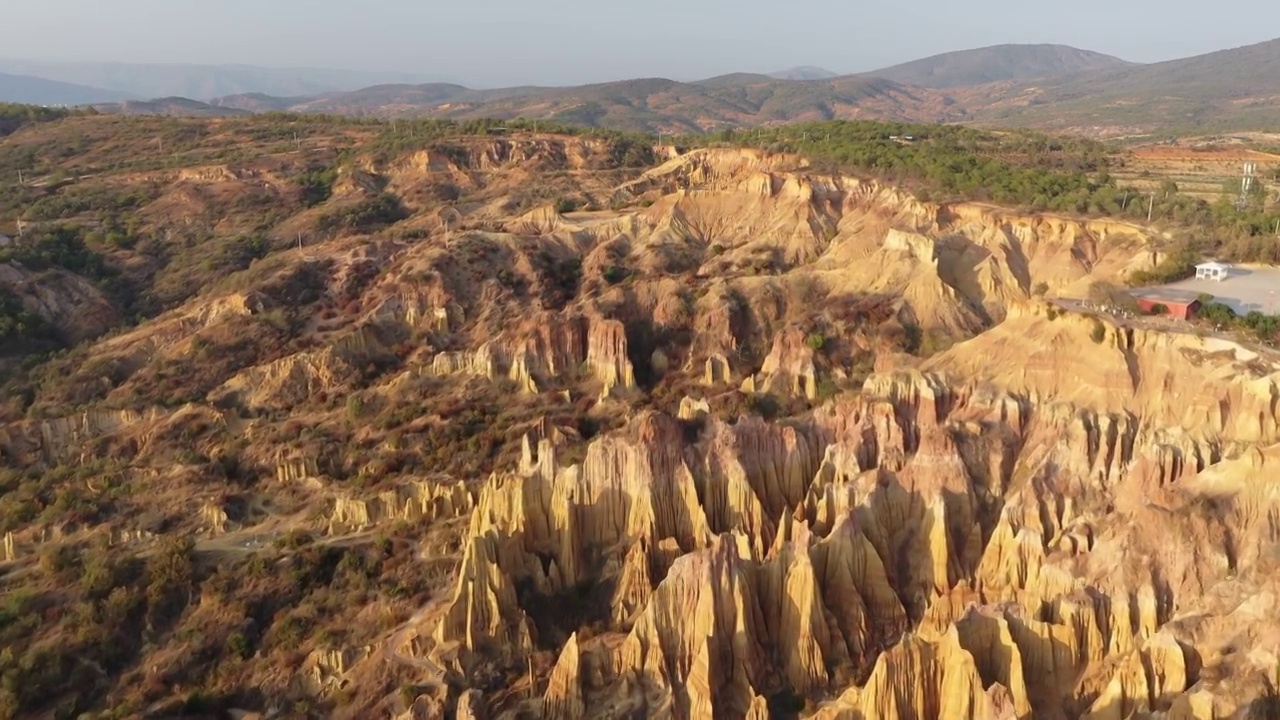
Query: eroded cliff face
{"x": 923, "y": 550}
{"x": 729, "y": 260}
{"x": 70, "y": 304}
{"x": 685, "y": 458}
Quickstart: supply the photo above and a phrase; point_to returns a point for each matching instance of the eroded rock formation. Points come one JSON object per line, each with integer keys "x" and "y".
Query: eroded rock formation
{"x": 925, "y": 549}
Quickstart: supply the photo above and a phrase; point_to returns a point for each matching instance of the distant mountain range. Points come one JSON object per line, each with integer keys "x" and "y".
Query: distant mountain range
{"x": 1046, "y": 86}
{"x": 804, "y": 72}
{"x": 40, "y": 91}
{"x": 203, "y": 82}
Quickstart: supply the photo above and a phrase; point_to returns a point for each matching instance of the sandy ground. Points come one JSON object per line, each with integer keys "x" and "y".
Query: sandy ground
{"x": 1247, "y": 289}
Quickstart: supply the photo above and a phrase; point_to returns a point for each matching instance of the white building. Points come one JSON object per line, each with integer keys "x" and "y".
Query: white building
{"x": 1212, "y": 271}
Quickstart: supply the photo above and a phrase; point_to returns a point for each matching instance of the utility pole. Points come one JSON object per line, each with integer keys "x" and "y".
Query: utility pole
{"x": 1246, "y": 185}
{"x": 21, "y": 180}
{"x": 1151, "y": 206}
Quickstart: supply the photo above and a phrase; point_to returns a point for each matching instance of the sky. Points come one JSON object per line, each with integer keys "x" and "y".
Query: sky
{"x": 494, "y": 43}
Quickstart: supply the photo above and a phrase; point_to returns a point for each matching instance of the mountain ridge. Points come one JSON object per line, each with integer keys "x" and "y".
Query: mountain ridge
{"x": 997, "y": 63}
{"x": 804, "y": 72}
{"x": 1038, "y": 86}
{"x": 31, "y": 90}
{"x": 204, "y": 82}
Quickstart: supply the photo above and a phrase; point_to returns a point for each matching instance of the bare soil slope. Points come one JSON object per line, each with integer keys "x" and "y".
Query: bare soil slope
{"x": 565, "y": 438}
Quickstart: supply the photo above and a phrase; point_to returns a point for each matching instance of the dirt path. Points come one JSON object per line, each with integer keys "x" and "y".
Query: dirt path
{"x": 1166, "y": 325}
{"x": 391, "y": 650}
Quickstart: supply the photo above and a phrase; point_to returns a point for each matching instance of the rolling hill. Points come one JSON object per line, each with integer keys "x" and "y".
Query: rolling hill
{"x": 649, "y": 105}
{"x": 1228, "y": 89}
{"x": 1039, "y": 86}
{"x": 39, "y": 91}
{"x": 996, "y": 64}
{"x": 171, "y": 107}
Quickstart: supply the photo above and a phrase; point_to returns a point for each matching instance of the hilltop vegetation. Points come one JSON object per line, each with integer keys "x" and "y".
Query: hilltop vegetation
{"x": 94, "y": 200}
{"x": 1025, "y": 169}
{"x": 14, "y": 116}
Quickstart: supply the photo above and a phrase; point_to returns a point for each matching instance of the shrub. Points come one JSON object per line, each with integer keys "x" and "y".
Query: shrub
{"x": 1099, "y": 332}
{"x": 18, "y": 326}
{"x": 615, "y": 274}
{"x": 827, "y": 389}
{"x": 239, "y": 645}
{"x": 763, "y": 404}
{"x": 932, "y": 343}
{"x": 60, "y": 558}
{"x": 365, "y": 216}
{"x": 316, "y": 185}
{"x": 1177, "y": 265}
{"x": 355, "y": 407}
{"x": 816, "y": 341}
{"x": 62, "y": 246}
{"x": 1041, "y": 289}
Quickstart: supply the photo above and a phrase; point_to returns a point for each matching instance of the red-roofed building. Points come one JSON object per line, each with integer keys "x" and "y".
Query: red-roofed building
{"x": 1174, "y": 303}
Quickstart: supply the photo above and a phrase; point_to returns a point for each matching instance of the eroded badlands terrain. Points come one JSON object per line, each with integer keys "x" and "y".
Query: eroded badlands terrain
{"x": 741, "y": 442}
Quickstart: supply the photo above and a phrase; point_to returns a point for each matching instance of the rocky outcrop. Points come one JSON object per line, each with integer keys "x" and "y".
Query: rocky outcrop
{"x": 553, "y": 348}
{"x": 789, "y": 368}
{"x": 480, "y": 363}
{"x": 691, "y": 409}
{"x": 717, "y": 370}
{"x": 920, "y": 550}
{"x": 563, "y": 699}
{"x": 607, "y": 356}
{"x": 67, "y": 432}
{"x": 326, "y": 669}
{"x": 69, "y": 303}
{"x": 289, "y": 381}
{"x": 409, "y": 502}
{"x": 1164, "y": 380}
{"x": 471, "y": 706}
{"x": 214, "y": 518}
{"x": 484, "y": 612}
{"x": 296, "y": 470}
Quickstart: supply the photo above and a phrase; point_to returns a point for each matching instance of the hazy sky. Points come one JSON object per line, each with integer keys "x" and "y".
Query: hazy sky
{"x": 487, "y": 43}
